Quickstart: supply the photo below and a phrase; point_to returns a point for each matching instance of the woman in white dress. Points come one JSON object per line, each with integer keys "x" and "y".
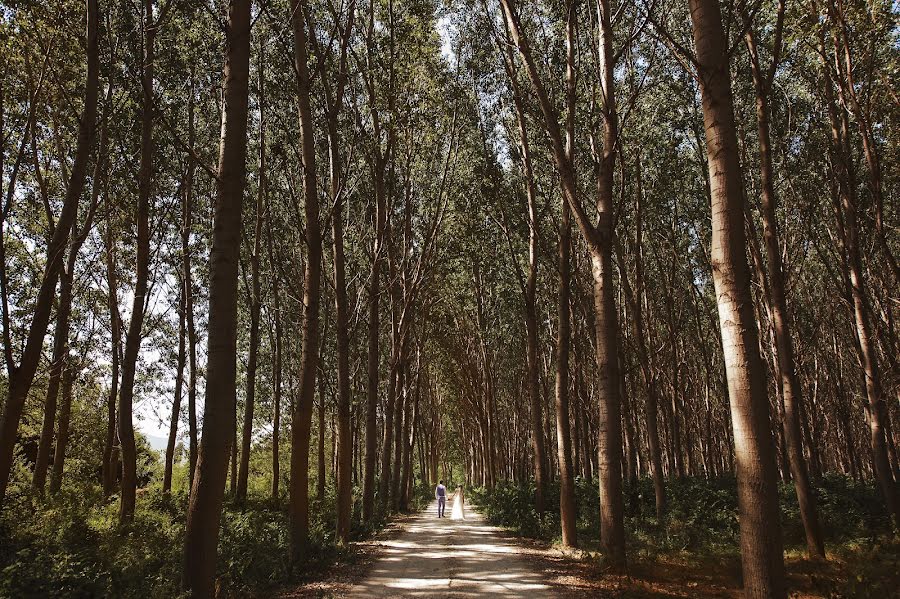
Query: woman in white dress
{"x": 458, "y": 512}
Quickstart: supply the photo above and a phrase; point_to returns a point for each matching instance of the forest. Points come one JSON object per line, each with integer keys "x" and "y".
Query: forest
{"x": 626, "y": 270}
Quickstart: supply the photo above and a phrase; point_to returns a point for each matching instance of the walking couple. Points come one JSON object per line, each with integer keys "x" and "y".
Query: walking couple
{"x": 440, "y": 492}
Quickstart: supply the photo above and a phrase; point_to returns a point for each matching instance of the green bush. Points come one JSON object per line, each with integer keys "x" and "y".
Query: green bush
{"x": 70, "y": 545}
{"x": 701, "y": 515}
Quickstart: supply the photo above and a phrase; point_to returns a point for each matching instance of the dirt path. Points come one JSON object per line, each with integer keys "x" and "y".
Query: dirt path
{"x": 451, "y": 558}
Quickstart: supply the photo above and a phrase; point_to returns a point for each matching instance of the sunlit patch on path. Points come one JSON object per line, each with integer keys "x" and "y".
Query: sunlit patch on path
{"x": 451, "y": 558}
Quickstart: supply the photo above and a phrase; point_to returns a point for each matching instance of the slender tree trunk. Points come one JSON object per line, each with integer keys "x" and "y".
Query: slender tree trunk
{"x": 408, "y": 431}
{"x": 187, "y": 206}
{"x": 62, "y": 433}
{"x": 142, "y": 272}
{"x": 309, "y": 345}
{"x": 761, "y": 547}
{"x": 387, "y": 445}
{"x": 57, "y": 367}
{"x": 791, "y": 391}
{"x": 373, "y": 358}
{"x": 277, "y": 341}
{"x": 530, "y": 290}
{"x": 399, "y": 417}
{"x": 176, "y": 400}
{"x": 207, "y": 493}
{"x": 255, "y": 307}
{"x": 344, "y": 441}
{"x": 610, "y": 438}
{"x": 320, "y": 445}
{"x": 64, "y": 309}
{"x": 599, "y": 239}
{"x": 109, "y": 461}
{"x": 184, "y": 318}
{"x": 567, "y": 512}
{"x": 276, "y": 373}
{"x": 633, "y": 298}
{"x": 21, "y": 377}
{"x": 848, "y": 236}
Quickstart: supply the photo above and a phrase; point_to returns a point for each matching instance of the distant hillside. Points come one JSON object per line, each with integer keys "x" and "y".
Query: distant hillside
{"x": 157, "y": 443}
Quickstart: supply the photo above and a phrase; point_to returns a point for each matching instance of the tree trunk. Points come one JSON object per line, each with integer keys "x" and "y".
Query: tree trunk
{"x": 633, "y": 298}
{"x": 57, "y": 367}
{"x": 207, "y": 493}
{"x": 791, "y": 391}
{"x": 761, "y": 547}
{"x": 599, "y": 240}
{"x": 373, "y": 359}
{"x": 567, "y": 512}
{"x": 109, "y": 461}
{"x": 187, "y": 279}
{"x": 387, "y": 445}
{"x": 344, "y": 441}
{"x": 865, "y": 342}
{"x": 255, "y": 307}
{"x": 142, "y": 272}
{"x": 276, "y": 371}
{"x": 399, "y": 417}
{"x": 62, "y": 433}
{"x": 320, "y": 445}
{"x": 309, "y": 345}
{"x": 176, "y": 400}
{"x": 21, "y": 377}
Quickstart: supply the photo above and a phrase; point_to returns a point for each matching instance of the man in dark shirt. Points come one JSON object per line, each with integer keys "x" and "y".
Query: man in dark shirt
{"x": 441, "y": 494}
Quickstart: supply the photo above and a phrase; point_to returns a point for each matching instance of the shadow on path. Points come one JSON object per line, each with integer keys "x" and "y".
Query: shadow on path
{"x": 451, "y": 558}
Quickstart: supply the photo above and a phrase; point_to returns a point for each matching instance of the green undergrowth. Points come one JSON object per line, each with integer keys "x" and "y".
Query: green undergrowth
{"x": 71, "y": 545}
{"x": 701, "y": 525}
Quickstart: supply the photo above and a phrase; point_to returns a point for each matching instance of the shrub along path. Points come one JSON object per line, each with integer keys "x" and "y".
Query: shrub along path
{"x": 452, "y": 558}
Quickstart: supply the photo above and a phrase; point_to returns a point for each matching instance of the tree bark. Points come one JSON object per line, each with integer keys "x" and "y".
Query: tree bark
{"x": 255, "y": 307}
{"x": 791, "y": 391}
{"x": 176, "y": 400}
{"x": 62, "y": 433}
{"x": 320, "y": 445}
{"x": 207, "y": 493}
{"x": 854, "y": 275}
{"x": 599, "y": 239}
{"x": 276, "y": 365}
{"x": 187, "y": 211}
{"x": 109, "y": 460}
{"x": 761, "y": 546}
{"x": 142, "y": 272}
{"x": 309, "y": 345}
{"x": 633, "y": 298}
{"x": 344, "y": 472}
{"x": 567, "y": 510}
{"x": 57, "y": 367}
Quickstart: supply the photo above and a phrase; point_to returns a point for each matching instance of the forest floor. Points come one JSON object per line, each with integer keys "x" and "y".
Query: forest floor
{"x": 419, "y": 555}
{"x": 423, "y": 556}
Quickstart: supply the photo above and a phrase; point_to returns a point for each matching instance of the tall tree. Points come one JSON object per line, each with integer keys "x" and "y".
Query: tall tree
{"x": 134, "y": 335}
{"x": 379, "y": 165}
{"x": 309, "y": 345}
{"x": 599, "y": 238}
{"x": 761, "y": 549}
{"x": 255, "y": 302}
{"x": 791, "y": 392}
{"x": 567, "y": 511}
{"x": 208, "y": 490}
{"x": 21, "y": 376}
{"x": 334, "y": 100}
